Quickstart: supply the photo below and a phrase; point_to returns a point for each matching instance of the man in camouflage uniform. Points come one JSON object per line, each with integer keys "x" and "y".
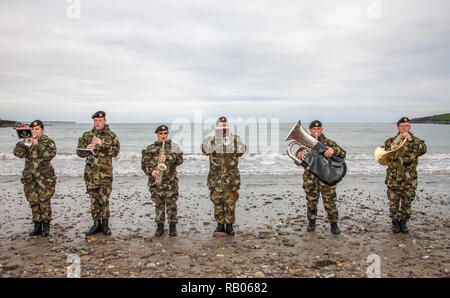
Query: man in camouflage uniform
{"x": 38, "y": 177}
{"x": 314, "y": 187}
{"x": 224, "y": 181}
{"x": 98, "y": 172}
{"x": 401, "y": 175}
{"x": 163, "y": 184}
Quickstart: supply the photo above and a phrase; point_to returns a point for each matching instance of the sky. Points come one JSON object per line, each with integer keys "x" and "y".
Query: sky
{"x": 156, "y": 61}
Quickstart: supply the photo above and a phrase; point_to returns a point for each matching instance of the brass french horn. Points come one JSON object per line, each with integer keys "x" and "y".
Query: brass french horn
{"x": 385, "y": 157}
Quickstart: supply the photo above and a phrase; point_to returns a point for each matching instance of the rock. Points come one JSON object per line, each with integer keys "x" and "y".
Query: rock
{"x": 92, "y": 240}
{"x": 330, "y": 276}
{"x": 151, "y": 266}
{"x": 256, "y": 246}
{"x": 238, "y": 261}
{"x": 425, "y": 257}
{"x": 259, "y": 274}
{"x": 267, "y": 272}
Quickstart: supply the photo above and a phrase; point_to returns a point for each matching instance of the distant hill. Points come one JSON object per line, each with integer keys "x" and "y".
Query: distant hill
{"x": 436, "y": 119}
{"x": 9, "y": 123}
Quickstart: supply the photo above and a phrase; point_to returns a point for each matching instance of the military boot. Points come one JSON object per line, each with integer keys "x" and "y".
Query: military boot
{"x": 105, "y": 227}
{"x": 311, "y": 226}
{"x": 230, "y": 230}
{"x": 395, "y": 226}
{"x": 159, "y": 230}
{"x": 173, "y": 229}
{"x": 335, "y": 229}
{"x": 46, "y": 228}
{"x": 403, "y": 227}
{"x": 95, "y": 228}
{"x": 37, "y": 230}
{"x": 220, "y": 228}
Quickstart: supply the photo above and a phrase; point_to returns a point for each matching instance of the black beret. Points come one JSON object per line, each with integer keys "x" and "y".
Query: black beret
{"x": 315, "y": 123}
{"x": 162, "y": 128}
{"x": 403, "y": 120}
{"x": 37, "y": 123}
{"x": 221, "y": 119}
{"x": 99, "y": 114}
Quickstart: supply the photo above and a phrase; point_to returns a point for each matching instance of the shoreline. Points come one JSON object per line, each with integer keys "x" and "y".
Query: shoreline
{"x": 271, "y": 237}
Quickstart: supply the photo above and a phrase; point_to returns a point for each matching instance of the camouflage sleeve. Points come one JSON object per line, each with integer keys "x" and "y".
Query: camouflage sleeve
{"x": 338, "y": 150}
{"x": 388, "y": 144}
{"x": 148, "y": 162}
{"x": 174, "y": 156}
{"x": 240, "y": 146}
{"x": 21, "y": 151}
{"x": 46, "y": 150}
{"x": 111, "y": 147}
{"x": 207, "y": 147}
{"x": 82, "y": 143}
{"x": 419, "y": 146}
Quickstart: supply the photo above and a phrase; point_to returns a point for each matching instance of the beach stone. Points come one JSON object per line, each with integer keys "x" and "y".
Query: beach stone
{"x": 259, "y": 274}
{"x": 151, "y": 266}
{"x": 330, "y": 276}
{"x": 238, "y": 261}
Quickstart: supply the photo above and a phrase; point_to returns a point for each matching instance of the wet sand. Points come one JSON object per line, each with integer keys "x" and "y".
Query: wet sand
{"x": 271, "y": 238}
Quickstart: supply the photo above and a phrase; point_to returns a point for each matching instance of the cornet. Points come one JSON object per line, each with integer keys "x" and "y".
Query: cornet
{"x": 29, "y": 141}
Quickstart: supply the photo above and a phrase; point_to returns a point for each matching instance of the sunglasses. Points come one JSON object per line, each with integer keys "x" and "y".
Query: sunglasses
{"x": 163, "y": 133}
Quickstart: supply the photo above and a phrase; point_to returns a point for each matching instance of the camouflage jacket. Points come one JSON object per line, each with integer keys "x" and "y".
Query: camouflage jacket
{"x": 101, "y": 170}
{"x": 150, "y": 161}
{"x": 38, "y": 167}
{"x": 223, "y": 163}
{"x": 403, "y": 169}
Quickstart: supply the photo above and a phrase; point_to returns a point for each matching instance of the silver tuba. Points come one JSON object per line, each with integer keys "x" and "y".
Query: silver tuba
{"x": 301, "y": 138}
{"x": 328, "y": 170}
{"x": 161, "y": 166}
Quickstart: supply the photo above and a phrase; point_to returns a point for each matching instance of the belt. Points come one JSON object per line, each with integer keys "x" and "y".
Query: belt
{"x": 407, "y": 164}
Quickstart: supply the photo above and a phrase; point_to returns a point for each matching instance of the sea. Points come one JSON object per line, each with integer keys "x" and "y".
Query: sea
{"x": 266, "y": 154}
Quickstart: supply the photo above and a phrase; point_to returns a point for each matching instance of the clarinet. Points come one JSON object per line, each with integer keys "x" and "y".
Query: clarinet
{"x": 90, "y": 159}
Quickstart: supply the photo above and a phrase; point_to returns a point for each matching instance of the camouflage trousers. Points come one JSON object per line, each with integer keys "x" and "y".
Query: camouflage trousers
{"x": 224, "y": 206}
{"x": 39, "y": 196}
{"x": 99, "y": 197}
{"x": 313, "y": 188}
{"x": 165, "y": 202}
{"x": 400, "y": 202}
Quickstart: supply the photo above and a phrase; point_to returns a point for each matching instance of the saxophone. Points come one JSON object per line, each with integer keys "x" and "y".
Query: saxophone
{"x": 161, "y": 166}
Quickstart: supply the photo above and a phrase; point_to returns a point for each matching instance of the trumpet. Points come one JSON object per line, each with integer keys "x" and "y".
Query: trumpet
{"x": 226, "y": 141}
{"x": 162, "y": 167}
{"x": 29, "y": 141}
{"x": 385, "y": 157}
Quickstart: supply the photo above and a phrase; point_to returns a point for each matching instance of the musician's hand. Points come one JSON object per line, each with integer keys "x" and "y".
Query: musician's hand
{"x": 155, "y": 173}
{"x": 97, "y": 141}
{"x": 35, "y": 141}
{"x": 299, "y": 155}
{"x": 162, "y": 158}
{"x": 329, "y": 152}
{"x": 407, "y": 136}
{"x": 90, "y": 146}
